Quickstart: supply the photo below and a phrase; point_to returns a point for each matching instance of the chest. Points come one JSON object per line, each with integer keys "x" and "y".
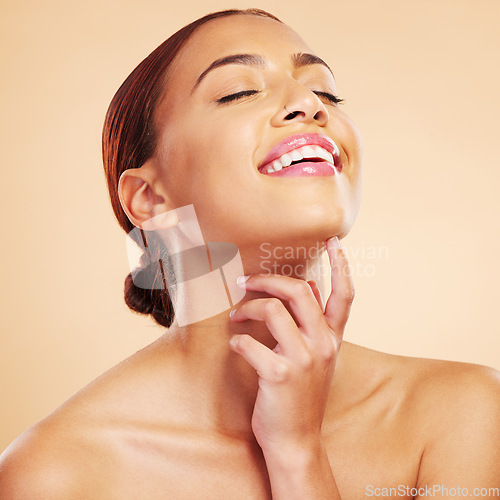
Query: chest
{"x": 364, "y": 463}
{"x": 155, "y": 470}
{"x": 373, "y": 455}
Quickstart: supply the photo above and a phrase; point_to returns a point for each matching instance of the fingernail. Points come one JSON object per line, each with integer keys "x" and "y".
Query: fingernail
{"x": 231, "y": 313}
{"x": 333, "y": 242}
{"x": 234, "y": 341}
{"x": 242, "y": 279}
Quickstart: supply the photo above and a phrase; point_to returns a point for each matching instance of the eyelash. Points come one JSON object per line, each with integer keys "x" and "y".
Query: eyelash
{"x": 244, "y": 93}
{"x": 332, "y": 98}
{"x": 233, "y": 97}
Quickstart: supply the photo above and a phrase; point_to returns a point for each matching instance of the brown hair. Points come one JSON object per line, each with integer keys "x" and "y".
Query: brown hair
{"x": 129, "y": 140}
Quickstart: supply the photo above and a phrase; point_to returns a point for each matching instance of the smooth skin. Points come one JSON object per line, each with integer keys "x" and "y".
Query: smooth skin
{"x": 268, "y": 402}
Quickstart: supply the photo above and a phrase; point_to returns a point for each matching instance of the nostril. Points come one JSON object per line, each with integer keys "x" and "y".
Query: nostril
{"x": 291, "y": 116}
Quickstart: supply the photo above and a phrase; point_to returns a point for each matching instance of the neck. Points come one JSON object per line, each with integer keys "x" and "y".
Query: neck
{"x": 226, "y": 385}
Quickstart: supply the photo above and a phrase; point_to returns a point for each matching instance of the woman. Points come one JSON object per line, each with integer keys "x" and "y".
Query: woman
{"x": 262, "y": 403}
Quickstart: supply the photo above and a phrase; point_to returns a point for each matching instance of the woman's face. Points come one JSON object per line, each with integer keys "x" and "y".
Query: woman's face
{"x": 210, "y": 146}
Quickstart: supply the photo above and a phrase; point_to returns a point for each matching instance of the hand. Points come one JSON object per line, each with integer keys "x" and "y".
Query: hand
{"x": 295, "y": 377}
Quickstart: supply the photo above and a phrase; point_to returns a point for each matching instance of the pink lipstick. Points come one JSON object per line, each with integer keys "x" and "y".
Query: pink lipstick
{"x": 303, "y": 155}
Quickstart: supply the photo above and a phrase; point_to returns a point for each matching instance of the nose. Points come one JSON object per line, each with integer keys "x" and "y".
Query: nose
{"x": 300, "y": 105}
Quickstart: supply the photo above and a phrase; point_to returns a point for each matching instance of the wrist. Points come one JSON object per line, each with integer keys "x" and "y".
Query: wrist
{"x": 299, "y": 471}
{"x": 294, "y": 456}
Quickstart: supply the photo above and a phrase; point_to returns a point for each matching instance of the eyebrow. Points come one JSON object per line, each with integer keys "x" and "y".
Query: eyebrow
{"x": 304, "y": 59}
{"x": 299, "y": 60}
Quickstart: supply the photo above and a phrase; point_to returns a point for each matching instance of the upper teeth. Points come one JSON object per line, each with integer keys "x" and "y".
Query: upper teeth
{"x": 299, "y": 154}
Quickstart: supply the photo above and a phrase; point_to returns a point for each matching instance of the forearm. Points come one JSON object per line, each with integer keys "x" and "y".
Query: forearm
{"x": 301, "y": 473}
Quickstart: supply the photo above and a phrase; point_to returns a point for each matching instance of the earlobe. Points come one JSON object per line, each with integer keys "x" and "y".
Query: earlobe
{"x": 138, "y": 199}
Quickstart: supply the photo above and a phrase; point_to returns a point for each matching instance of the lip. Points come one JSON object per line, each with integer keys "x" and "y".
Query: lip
{"x": 306, "y": 169}
{"x": 310, "y": 168}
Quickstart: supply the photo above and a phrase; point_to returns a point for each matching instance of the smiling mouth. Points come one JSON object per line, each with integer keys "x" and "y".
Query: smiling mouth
{"x": 303, "y": 155}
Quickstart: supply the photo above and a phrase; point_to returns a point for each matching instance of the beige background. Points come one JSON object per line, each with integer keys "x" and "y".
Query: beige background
{"x": 420, "y": 78}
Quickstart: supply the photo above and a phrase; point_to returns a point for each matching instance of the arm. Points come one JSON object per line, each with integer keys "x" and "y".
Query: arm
{"x": 295, "y": 377}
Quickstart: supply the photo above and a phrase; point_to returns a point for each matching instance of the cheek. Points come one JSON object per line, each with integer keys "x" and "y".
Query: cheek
{"x": 211, "y": 164}
{"x": 351, "y": 142}
{"x": 352, "y": 137}
{"x": 223, "y": 153}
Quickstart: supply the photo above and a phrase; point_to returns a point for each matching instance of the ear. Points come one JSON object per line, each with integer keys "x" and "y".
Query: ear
{"x": 141, "y": 198}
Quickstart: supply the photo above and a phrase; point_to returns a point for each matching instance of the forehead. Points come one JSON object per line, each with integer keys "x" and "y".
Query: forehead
{"x": 236, "y": 34}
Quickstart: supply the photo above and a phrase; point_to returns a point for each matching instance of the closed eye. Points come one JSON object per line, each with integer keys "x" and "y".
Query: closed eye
{"x": 333, "y": 99}
{"x": 237, "y": 95}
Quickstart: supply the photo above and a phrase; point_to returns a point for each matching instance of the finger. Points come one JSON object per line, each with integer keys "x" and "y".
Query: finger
{"x": 296, "y": 292}
{"x": 268, "y": 364}
{"x": 278, "y": 320}
{"x": 317, "y": 294}
{"x": 339, "y": 303}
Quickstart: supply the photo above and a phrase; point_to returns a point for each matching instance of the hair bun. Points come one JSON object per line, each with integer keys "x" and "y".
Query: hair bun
{"x": 153, "y": 302}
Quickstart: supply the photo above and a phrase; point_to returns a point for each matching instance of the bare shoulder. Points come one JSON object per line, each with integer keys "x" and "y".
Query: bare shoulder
{"x": 455, "y": 411}
{"x": 54, "y": 458}
{"x": 36, "y": 467}
{"x": 451, "y": 410}
{"x": 79, "y": 449}
{"x": 67, "y": 454}
{"x": 453, "y": 392}
{"x": 433, "y": 386}
{"x": 444, "y": 394}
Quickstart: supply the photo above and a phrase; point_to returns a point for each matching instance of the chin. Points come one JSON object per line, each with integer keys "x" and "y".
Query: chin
{"x": 325, "y": 223}
{"x": 311, "y": 231}
{"x": 304, "y": 226}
